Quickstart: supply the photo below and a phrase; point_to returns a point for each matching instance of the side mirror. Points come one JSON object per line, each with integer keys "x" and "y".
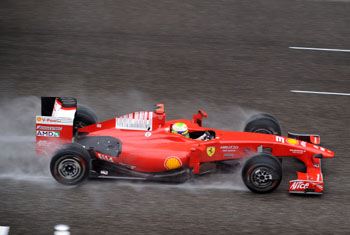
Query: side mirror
{"x": 198, "y": 118}
{"x": 159, "y": 109}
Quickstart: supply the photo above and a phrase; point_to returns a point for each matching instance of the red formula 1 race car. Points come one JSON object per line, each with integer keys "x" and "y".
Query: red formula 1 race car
{"x": 141, "y": 146}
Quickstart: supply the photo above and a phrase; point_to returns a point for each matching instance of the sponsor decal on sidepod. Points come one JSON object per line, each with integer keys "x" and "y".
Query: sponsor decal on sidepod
{"x": 104, "y": 157}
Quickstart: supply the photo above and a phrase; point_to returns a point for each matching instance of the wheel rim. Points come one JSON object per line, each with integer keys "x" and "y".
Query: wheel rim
{"x": 263, "y": 131}
{"x": 261, "y": 177}
{"x": 80, "y": 124}
{"x": 70, "y": 168}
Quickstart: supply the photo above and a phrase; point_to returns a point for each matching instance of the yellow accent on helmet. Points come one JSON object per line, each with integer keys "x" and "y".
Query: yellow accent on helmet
{"x": 180, "y": 128}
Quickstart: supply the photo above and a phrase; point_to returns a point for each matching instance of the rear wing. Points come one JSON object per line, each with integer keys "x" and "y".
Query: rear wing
{"x": 54, "y": 126}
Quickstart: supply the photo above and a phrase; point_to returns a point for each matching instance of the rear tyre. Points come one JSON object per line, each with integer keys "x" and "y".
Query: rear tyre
{"x": 84, "y": 116}
{"x": 263, "y": 123}
{"x": 262, "y": 173}
{"x": 70, "y": 165}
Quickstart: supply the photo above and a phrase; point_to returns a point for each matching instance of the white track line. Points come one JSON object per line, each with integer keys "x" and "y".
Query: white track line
{"x": 319, "y": 92}
{"x": 62, "y": 229}
{"x": 4, "y": 230}
{"x": 319, "y": 49}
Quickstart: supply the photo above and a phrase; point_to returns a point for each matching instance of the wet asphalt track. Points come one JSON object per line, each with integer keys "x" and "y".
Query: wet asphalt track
{"x": 230, "y": 58}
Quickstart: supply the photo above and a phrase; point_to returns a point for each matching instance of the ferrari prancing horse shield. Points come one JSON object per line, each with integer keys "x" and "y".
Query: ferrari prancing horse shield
{"x": 210, "y": 151}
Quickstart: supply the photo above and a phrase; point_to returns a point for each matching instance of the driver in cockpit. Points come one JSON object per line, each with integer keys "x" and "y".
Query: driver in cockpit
{"x": 181, "y": 128}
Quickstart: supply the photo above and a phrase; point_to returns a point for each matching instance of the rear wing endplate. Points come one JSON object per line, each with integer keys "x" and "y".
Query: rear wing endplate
{"x": 54, "y": 126}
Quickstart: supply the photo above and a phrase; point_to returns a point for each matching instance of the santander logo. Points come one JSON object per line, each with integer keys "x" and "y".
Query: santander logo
{"x": 299, "y": 185}
{"x": 104, "y": 157}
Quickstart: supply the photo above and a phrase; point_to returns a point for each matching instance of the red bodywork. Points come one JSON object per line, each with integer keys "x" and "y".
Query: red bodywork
{"x": 149, "y": 146}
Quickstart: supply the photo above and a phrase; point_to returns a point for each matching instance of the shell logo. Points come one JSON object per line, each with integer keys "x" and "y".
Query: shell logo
{"x": 172, "y": 163}
{"x": 292, "y": 141}
{"x": 38, "y": 119}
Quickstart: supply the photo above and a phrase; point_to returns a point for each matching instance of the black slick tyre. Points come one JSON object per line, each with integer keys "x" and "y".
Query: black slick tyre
{"x": 70, "y": 165}
{"x": 262, "y": 173}
{"x": 84, "y": 116}
{"x": 263, "y": 123}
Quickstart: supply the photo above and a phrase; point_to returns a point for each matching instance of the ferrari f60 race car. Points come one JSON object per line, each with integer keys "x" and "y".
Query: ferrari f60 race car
{"x": 140, "y": 146}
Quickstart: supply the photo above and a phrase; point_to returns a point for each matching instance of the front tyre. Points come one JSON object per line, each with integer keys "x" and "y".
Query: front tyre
{"x": 70, "y": 165}
{"x": 262, "y": 173}
{"x": 263, "y": 123}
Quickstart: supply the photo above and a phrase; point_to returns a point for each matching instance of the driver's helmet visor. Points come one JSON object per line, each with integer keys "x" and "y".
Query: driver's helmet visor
{"x": 184, "y": 133}
{"x": 180, "y": 128}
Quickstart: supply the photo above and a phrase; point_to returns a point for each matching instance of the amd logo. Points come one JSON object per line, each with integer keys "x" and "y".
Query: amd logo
{"x": 48, "y": 133}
